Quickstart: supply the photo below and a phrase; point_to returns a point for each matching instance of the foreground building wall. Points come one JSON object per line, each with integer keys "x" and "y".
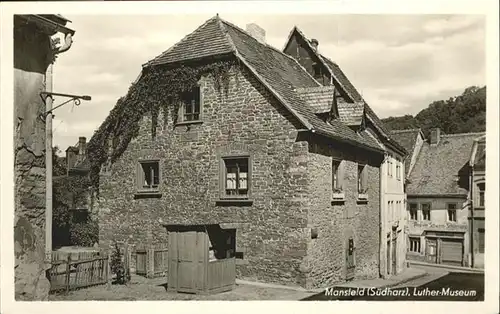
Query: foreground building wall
{"x": 338, "y": 221}
{"x": 271, "y": 234}
{"x": 31, "y": 58}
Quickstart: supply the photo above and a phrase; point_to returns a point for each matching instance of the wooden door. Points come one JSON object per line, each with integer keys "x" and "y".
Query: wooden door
{"x": 388, "y": 259}
{"x": 431, "y": 250}
{"x": 480, "y": 236}
{"x": 394, "y": 255}
{"x": 452, "y": 251}
{"x": 350, "y": 260}
{"x": 187, "y": 261}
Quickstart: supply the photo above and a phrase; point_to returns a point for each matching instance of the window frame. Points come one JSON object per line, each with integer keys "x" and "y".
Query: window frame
{"x": 410, "y": 211}
{"x": 336, "y": 186}
{"x": 427, "y": 210}
{"x": 223, "y": 178}
{"x": 418, "y": 243}
{"x": 140, "y": 176}
{"x": 449, "y": 210}
{"x": 389, "y": 167}
{"x": 361, "y": 178}
{"x": 181, "y": 116}
{"x": 481, "y": 187}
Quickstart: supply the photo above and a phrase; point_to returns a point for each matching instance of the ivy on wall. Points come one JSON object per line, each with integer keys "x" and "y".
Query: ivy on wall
{"x": 158, "y": 88}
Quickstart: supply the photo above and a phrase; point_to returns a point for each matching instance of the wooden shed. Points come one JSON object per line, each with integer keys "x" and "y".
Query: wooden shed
{"x": 200, "y": 259}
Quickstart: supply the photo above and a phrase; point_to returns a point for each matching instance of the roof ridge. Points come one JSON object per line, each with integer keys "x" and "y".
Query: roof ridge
{"x": 182, "y": 40}
{"x": 405, "y": 130}
{"x": 321, "y": 87}
{"x": 270, "y": 47}
{"x": 463, "y": 134}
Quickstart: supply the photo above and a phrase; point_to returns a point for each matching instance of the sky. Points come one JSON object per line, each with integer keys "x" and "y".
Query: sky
{"x": 399, "y": 63}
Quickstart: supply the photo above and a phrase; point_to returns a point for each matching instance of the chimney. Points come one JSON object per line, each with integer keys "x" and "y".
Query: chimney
{"x": 82, "y": 145}
{"x": 435, "y": 136}
{"x": 314, "y": 43}
{"x": 257, "y": 32}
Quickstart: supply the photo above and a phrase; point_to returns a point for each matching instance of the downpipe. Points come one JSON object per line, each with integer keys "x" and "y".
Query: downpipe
{"x": 68, "y": 41}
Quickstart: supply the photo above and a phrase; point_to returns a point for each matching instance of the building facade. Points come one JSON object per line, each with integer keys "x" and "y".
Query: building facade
{"x": 356, "y": 113}
{"x": 33, "y": 54}
{"x": 437, "y": 198}
{"x": 295, "y": 190}
{"x": 477, "y": 205}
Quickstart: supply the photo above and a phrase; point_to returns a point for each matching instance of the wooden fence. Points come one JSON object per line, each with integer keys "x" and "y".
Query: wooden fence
{"x": 68, "y": 275}
{"x": 151, "y": 262}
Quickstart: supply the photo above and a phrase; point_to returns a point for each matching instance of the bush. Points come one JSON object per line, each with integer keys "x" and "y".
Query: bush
{"x": 118, "y": 267}
{"x": 84, "y": 233}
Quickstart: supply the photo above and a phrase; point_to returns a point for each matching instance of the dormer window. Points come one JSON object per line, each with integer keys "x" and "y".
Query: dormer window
{"x": 317, "y": 70}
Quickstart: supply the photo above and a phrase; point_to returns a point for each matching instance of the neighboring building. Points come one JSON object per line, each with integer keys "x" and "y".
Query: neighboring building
{"x": 437, "y": 191}
{"x": 76, "y": 161}
{"x": 412, "y": 140}
{"x": 293, "y": 190}
{"x": 477, "y": 165}
{"x": 33, "y": 53}
{"x": 357, "y": 114}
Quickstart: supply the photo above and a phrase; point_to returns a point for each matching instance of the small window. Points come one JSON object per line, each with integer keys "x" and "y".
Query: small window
{"x": 452, "y": 212}
{"x": 362, "y": 179}
{"x": 317, "y": 70}
{"x": 191, "y": 105}
{"x": 426, "y": 211}
{"x": 335, "y": 174}
{"x": 481, "y": 194}
{"x": 398, "y": 170}
{"x": 350, "y": 249}
{"x": 236, "y": 177}
{"x": 414, "y": 245}
{"x": 389, "y": 168}
{"x": 148, "y": 175}
{"x": 413, "y": 209}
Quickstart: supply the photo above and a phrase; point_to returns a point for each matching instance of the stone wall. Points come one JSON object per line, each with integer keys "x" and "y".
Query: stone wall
{"x": 337, "y": 221}
{"x": 30, "y": 63}
{"x": 271, "y": 232}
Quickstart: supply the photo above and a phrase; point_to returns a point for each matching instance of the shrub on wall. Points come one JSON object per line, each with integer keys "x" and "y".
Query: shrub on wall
{"x": 84, "y": 233}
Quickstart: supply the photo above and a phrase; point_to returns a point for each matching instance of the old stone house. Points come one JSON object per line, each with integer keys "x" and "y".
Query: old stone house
{"x": 285, "y": 170}
{"x": 33, "y": 53}
{"x": 356, "y": 113}
{"x": 437, "y": 192}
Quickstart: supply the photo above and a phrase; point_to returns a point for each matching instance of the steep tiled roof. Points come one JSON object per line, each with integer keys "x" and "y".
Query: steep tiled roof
{"x": 437, "y": 166}
{"x": 280, "y": 73}
{"x": 407, "y": 139}
{"x": 195, "y": 45}
{"x": 346, "y": 85}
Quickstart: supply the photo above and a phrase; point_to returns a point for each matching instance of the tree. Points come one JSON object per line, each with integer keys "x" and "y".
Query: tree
{"x": 460, "y": 114}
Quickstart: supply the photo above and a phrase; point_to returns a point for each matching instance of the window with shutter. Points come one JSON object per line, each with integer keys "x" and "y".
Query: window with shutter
{"x": 336, "y": 186}
{"x": 148, "y": 175}
{"x": 413, "y": 209}
{"x": 426, "y": 211}
{"x": 362, "y": 179}
{"x": 236, "y": 175}
{"x": 190, "y": 106}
